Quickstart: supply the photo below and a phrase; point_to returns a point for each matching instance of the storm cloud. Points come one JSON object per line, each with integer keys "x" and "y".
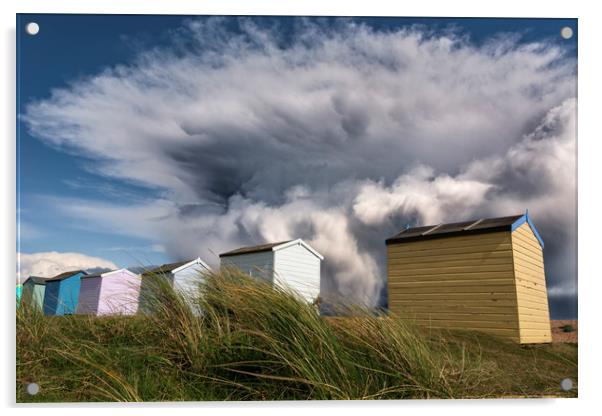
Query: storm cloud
{"x": 339, "y": 134}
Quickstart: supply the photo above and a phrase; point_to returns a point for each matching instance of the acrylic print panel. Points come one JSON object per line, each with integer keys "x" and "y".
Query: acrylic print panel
{"x": 295, "y": 208}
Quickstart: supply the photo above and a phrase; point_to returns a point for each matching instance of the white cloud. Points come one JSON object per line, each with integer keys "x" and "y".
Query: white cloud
{"x": 534, "y": 173}
{"x": 341, "y": 137}
{"x": 538, "y": 174}
{"x": 48, "y": 264}
{"x": 420, "y": 191}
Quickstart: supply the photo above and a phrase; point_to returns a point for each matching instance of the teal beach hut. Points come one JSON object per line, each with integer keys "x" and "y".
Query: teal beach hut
{"x": 19, "y": 292}
{"x": 33, "y": 291}
{"x": 62, "y": 293}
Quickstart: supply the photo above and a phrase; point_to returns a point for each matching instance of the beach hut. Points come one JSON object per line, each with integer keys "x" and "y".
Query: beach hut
{"x": 183, "y": 276}
{"x": 485, "y": 275}
{"x": 62, "y": 293}
{"x": 293, "y": 263}
{"x": 110, "y": 293}
{"x": 33, "y": 291}
{"x": 19, "y": 292}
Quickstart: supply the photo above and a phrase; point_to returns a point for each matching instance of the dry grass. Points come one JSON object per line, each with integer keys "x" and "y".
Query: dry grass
{"x": 256, "y": 342}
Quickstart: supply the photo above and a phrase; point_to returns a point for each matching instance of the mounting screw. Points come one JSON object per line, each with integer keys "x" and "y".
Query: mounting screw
{"x": 566, "y": 32}
{"x": 32, "y": 28}
{"x": 566, "y": 384}
{"x": 33, "y": 389}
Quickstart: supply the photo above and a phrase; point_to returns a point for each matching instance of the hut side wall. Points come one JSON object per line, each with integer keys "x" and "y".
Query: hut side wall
{"x": 119, "y": 294}
{"x": 463, "y": 282}
{"x": 88, "y": 296}
{"x": 531, "y": 293}
{"x": 255, "y": 264}
{"x": 299, "y": 269}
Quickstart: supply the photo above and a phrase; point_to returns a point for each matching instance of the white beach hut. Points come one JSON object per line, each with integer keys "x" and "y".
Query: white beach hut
{"x": 293, "y": 263}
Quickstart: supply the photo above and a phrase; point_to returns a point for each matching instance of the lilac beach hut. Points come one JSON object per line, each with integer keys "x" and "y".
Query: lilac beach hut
{"x": 111, "y": 293}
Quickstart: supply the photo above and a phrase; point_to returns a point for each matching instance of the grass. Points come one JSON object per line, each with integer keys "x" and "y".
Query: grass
{"x": 256, "y": 342}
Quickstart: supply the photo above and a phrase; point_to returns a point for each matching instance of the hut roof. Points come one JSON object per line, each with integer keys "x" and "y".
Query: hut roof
{"x": 65, "y": 275}
{"x": 253, "y": 249}
{"x": 477, "y": 226}
{"x": 167, "y": 268}
{"x": 38, "y": 280}
{"x": 89, "y": 276}
{"x": 272, "y": 247}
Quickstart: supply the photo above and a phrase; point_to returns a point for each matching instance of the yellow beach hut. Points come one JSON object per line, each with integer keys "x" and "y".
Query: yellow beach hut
{"x": 485, "y": 275}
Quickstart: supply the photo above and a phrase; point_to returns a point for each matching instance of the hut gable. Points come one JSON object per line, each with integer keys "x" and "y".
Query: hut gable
{"x": 110, "y": 293}
{"x": 62, "y": 293}
{"x": 184, "y": 276}
{"x": 471, "y": 275}
{"x": 291, "y": 263}
{"x": 34, "y": 289}
{"x": 119, "y": 291}
{"x": 187, "y": 276}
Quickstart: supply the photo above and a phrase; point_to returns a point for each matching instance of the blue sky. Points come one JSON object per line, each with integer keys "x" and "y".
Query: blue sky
{"x": 70, "y": 47}
{"x": 63, "y": 188}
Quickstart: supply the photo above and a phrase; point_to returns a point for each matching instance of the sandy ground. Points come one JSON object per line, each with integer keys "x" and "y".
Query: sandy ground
{"x": 558, "y": 335}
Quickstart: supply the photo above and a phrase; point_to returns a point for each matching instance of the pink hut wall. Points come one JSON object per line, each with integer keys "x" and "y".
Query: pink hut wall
{"x": 119, "y": 294}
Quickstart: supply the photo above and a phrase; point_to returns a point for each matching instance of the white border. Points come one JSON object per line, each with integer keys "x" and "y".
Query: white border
{"x": 590, "y": 208}
{"x": 458, "y": 8}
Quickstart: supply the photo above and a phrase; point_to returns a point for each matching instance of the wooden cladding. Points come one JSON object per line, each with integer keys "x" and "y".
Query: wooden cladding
{"x": 492, "y": 282}
{"x": 531, "y": 293}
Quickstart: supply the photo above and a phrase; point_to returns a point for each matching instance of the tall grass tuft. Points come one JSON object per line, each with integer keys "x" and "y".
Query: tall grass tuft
{"x": 240, "y": 338}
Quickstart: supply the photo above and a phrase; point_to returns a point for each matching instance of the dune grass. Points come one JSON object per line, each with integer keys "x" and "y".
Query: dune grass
{"x": 253, "y": 341}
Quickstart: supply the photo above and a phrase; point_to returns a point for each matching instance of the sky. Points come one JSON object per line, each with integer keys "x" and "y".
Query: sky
{"x": 149, "y": 139}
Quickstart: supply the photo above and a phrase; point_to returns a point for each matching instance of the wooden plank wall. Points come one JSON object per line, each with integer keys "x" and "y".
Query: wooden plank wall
{"x": 259, "y": 264}
{"x": 463, "y": 282}
{"x": 89, "y": 292}
{"x": 533, "y": 312}
{"x": 299, "y": 269}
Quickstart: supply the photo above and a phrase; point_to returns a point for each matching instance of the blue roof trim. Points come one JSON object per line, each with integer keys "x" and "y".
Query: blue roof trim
{"x": 526, "y": 219}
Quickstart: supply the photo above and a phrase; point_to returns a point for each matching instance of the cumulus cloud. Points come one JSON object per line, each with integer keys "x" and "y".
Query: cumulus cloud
{"x": 337, "y": 134}
{"x": 419, "y": 191}
{"x": 48, "y": 264}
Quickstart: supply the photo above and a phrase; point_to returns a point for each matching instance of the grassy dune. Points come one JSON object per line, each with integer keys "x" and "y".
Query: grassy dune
{"x": 255, "y": 342}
